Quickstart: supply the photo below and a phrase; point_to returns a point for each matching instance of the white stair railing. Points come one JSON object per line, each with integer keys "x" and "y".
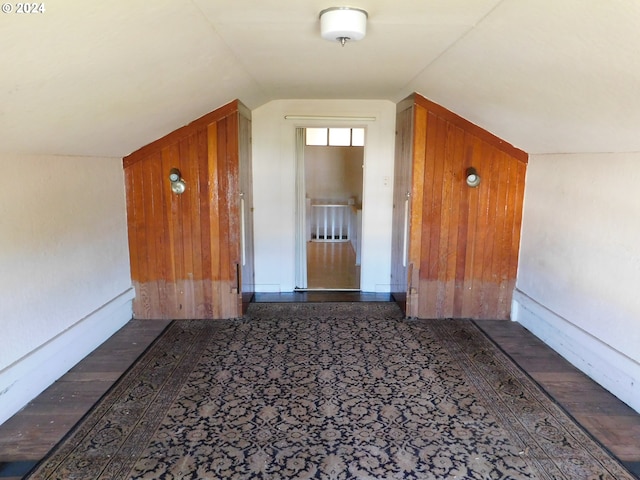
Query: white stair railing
{"x": 330, "y": 222}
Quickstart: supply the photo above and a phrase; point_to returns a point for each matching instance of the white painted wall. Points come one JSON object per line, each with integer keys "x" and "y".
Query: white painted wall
{"x": 579, "y": 270}
{"x": 65, "y": 284}
{"x": 274, "y": 187}
{"x": 333, "y": 173}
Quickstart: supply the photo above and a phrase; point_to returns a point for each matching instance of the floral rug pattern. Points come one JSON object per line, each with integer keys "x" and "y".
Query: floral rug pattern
{"x": 326, "y": 391}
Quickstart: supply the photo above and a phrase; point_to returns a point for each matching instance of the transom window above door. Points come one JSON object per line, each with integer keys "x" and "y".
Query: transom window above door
{"x": 335, "y": 137}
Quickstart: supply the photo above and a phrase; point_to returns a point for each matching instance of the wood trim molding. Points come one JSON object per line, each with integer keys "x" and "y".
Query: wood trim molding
{"x": 405, "y": 104}
{"x": 470, "y": 127}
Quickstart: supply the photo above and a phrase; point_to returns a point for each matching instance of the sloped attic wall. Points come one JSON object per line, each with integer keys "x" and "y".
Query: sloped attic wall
{"x": 65, "y": 285}
{"x": 577, "y": 286}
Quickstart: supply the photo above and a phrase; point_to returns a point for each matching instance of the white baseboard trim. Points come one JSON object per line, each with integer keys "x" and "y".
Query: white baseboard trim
{"x": 615, "y": 371}
{"x": 25, "y": 379}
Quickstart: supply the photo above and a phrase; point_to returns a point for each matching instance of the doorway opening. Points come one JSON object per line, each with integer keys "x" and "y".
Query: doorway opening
{"x": 329, "y": 188}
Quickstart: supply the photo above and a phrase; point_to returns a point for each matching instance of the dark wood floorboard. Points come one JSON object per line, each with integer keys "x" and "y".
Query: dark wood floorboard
{"x": 30, "y": 434}
{"x": 613, "y": 423}
{"x": 322, "y": 296}
{"x": 27, "y": 436}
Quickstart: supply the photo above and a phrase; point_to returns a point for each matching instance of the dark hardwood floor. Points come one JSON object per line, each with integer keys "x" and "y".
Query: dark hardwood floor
{"x": 613, "y": 423}
{"x": 27, "y": 436}
{"x": 322, "y": 296}
{"x": 31, "y": 433}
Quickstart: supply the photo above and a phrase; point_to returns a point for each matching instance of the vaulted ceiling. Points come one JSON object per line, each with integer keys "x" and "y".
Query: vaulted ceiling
{"x": 107, "y": 77}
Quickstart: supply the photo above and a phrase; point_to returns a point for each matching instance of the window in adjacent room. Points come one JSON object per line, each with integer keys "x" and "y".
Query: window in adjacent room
{"x": 335, "y": 137}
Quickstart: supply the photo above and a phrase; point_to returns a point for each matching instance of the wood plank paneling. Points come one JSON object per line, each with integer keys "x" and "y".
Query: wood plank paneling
{"x": 173, "y": 253}
{"x": 455, "y": 149}
{"x": 184, "y": 249}
{"x": 207, "y": 253}
{"x": 418, "y": 168}
{"x": 464, "y": 241}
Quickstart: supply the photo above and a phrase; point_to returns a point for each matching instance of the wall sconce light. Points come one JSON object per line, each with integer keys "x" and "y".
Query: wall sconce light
{"x": 473, "y": 179}
{"x": 178, "y": 185}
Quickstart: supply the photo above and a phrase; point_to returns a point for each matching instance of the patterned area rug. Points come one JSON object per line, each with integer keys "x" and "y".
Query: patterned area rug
{"x": 331, "y": 391}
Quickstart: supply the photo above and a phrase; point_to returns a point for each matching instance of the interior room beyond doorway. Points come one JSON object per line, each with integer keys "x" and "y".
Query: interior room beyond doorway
{"x": 333, "y": 163}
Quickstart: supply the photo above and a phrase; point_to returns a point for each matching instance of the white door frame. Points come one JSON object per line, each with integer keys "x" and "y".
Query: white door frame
{"x": 300, "y": 209}
{"x": 300, "y": 206}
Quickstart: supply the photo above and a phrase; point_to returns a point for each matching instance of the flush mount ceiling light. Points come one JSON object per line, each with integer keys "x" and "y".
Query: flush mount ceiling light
{"x": 339, "y": 24}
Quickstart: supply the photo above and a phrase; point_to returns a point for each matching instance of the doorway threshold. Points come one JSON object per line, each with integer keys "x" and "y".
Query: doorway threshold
{"x": 327, "y": 290}
{"x": 307, "y": 295}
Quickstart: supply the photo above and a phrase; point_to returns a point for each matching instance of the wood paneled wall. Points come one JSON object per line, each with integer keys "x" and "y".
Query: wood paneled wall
{"x": 463, "y": 242}
{"x": 185, "y": 250}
